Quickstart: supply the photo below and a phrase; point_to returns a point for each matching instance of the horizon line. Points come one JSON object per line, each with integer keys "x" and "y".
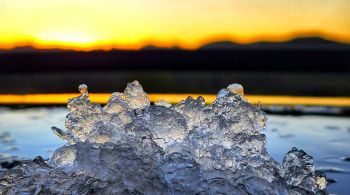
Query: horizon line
{"x": 173, "y": 98}
{"x": 98, "y": 45}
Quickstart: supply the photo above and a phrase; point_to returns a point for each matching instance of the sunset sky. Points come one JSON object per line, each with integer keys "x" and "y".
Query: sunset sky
{"x": 132, "y": 24}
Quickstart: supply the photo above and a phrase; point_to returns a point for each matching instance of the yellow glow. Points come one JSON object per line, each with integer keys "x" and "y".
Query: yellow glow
{"x": 69, "y": 38}
{"x": 106, "y": 24}
{"x": 102, "y": 98}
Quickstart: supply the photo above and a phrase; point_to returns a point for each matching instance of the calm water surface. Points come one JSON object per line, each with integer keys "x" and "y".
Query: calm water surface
{"x": 26, "y": 133}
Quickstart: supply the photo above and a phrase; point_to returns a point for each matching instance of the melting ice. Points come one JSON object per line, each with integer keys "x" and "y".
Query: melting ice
{"x": 132, "y": 147}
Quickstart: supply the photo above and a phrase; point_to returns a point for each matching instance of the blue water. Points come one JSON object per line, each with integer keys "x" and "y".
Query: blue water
{"x": 26, "y": 133}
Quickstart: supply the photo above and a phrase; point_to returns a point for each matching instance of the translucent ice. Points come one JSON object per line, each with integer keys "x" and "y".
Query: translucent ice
{"x": 132, "y": 147}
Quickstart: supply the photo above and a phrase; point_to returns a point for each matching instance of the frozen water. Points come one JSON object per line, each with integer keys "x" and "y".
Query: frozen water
{"x": 299, "y": 170}
{"x": 130, "y": 146}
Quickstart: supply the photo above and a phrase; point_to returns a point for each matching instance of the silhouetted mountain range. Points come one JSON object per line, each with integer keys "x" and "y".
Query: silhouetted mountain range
{"x": 31, "y": 49}
{"x": 153, "y": 47}
{"x": 298, "y": 55}
{"x": 297, "y": 43}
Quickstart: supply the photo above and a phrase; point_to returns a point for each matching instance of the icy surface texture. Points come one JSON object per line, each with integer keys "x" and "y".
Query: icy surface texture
{"x": 132, "y": 147}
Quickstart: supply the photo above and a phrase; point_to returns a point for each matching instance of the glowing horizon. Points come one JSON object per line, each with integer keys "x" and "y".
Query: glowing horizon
{"x": 188, "y": 24}
{"x": 102, "y": 98}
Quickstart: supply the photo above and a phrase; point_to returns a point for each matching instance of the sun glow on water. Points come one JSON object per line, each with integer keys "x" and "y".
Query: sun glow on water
{"x": 102, "y": 98}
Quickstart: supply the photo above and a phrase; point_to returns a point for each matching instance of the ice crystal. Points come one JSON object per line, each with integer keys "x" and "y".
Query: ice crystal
{"x": 132, "y": 147}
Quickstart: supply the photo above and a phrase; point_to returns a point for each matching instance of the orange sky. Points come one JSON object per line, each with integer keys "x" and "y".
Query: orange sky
{"x": 132, "y": 24}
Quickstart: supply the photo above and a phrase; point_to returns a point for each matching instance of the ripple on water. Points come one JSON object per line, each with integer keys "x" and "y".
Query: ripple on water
{"x": 4, "y": 156}
{"x": 287, "y": 135}
{"x": 331, "y": 170}
{"x": 12, "y": 148}
{"x": 345, "y": 158}
{"x": 274, "y": 129}
{"x": 330, "y": 180}
{"x": 5, "y": 137}
{"x": 331, "y": 127}
{"x": 339, "y": 140}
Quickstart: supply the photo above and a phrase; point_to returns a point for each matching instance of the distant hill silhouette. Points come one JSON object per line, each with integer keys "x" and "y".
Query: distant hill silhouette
{"x": 298, "y": 43}
{"x": 153, "y": 47}
{"x": 30, "y": 49}
{"x": 299, "y": 55}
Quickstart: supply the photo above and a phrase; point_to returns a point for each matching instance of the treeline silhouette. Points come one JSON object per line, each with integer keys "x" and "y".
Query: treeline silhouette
{"x": 241, "y": 60}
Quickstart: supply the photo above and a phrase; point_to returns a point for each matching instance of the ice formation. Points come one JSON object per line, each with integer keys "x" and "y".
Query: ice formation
{"x": 132, "y": 147}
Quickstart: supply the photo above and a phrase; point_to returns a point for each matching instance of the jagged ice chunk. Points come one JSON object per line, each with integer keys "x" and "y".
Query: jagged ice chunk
{"x": 132, "y": 147}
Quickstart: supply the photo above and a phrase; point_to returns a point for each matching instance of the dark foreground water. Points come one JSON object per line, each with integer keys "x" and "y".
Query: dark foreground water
{"x": 26, "y": 133}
